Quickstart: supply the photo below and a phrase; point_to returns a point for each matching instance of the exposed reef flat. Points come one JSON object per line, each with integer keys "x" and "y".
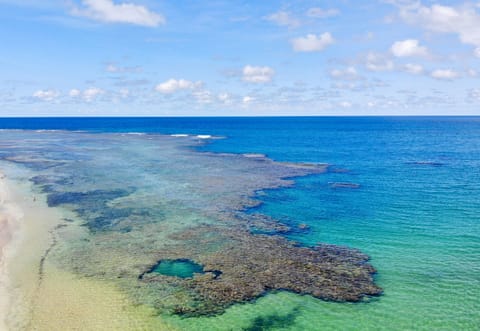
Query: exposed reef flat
{"x": 138, "y": 200}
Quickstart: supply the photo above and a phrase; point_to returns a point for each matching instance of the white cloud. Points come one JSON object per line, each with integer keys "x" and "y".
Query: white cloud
{"x": 447, "y": 74}
{"x": 322, "y": 13}
{"x": 472, "y": 72}
{"x": 474, "y": 95}
{"x": 46, "y": 95}
{"x": 409, "y": 47}
{"x": 203, "y": 96}
{"x": 87, "y": 95}
{"x": 253, "y": 74}
{"x": 378, "y": 62}
{"x": 108, "y": 11}
{"x": 92, "y": 93}
{"x": 476, "y": 52}
{"x": 124, "y": 93}
{"x": 247, "y": 100}
{"x": 463, "y": 21}
{"x": 412, "y": 68}
{"x": 283, "y": 18}
{"x": 312, "y": 42}
{"x": 116, "y": 69}
{"x": 74, "y": 93}
{"x": 173, "y": 85}
{"x": 225, "y": 98}
{"x": 349, "y": 73}
{"x": 345, "y": 104}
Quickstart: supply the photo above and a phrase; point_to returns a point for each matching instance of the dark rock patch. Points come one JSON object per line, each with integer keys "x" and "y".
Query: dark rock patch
{"x": 344, "y": 185}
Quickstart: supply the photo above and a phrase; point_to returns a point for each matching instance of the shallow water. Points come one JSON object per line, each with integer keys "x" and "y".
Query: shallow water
{"x": 178, "y": 268}
{"x": 414, "y": 212}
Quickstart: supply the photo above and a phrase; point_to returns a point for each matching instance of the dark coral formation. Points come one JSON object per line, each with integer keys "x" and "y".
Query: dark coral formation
{"x": 92, "y": 208}
{"x": 252, "y": 265}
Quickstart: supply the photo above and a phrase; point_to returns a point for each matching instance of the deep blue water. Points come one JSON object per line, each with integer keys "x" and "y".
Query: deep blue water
{"x": 416, "y": 210}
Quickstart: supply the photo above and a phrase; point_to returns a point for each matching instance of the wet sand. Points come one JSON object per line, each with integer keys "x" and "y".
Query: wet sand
{"x": 9, "y": 226}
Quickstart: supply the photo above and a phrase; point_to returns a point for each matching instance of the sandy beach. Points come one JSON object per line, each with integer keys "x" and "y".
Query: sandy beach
{"x": 10, "y": 215}
{"x": 25, "y": 234}
{"x": 34, "y": 293}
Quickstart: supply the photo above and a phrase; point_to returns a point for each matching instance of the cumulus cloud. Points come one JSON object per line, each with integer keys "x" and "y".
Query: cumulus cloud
{"x": 322, "y": 13}
{"x": 349, "y": 73}
{"x": 409, "y": 47}
{"x": 225, "y": 98}
{"x": 312, "y": 42}
{"x": 46, "y": 95}
{"x": 92, "y": 93}
{"x": 412, "y": 68}
{"x": 111, "y": 12}
{"x": 174, "y": 85}
{"x": 464, "y": 21}
{"x": 88, "y": 95}
{"x": 345, "y": 104}
{"x": 254, "y": 74}
{"x": 283, "y": 18}
{"x": 247, "y": 100}
{"x": 446, "y": 74}
{"x": 74, "y": 93}
{"x": 378, "y": 62}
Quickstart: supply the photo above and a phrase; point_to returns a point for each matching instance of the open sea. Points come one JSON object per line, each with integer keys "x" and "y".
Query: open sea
{"x": 403, "y": 190}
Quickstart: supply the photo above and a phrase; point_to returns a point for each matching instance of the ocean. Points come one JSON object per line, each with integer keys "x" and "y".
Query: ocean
{"x": 403, "y": 190}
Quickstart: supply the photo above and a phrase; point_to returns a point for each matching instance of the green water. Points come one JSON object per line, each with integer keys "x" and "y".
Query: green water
{"x": 178, "y": 268}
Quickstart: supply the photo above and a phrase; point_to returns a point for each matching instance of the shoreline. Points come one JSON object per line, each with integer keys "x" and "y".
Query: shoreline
{"x": 10, "y": 239}
{"x": 25, "y": 234}
{"x": 34, "y": 292}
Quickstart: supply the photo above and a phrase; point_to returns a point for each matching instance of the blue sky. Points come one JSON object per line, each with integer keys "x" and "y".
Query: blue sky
{"x": 224, "y": 58}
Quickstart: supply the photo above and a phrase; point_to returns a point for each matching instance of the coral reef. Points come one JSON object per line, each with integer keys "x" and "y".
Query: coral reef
{"x": 134, "y": 201}
{"x": 252, "y": 265}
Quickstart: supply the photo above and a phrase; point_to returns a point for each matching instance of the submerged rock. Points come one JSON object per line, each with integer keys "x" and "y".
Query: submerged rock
{"x": 427, "y": 163}
{"x": 344, "y": 185}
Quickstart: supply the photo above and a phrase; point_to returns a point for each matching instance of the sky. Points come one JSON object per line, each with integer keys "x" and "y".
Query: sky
{"x": 239, "y": 58}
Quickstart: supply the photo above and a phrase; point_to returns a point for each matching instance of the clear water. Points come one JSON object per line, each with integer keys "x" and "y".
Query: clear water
{"x": 178, "y": 268}
{"x": 415, "y": 212}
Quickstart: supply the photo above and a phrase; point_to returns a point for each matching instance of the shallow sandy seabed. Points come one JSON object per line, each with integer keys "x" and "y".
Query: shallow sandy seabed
{"x": 68, "y": 302}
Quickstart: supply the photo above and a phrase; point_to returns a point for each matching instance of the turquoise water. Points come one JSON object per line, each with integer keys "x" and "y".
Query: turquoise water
{"x": 415, "y": 212}
{"x": 178, "y": 268}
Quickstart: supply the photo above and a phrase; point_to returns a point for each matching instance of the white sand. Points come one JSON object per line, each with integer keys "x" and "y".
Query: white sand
{"x": 10, "y": 237}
